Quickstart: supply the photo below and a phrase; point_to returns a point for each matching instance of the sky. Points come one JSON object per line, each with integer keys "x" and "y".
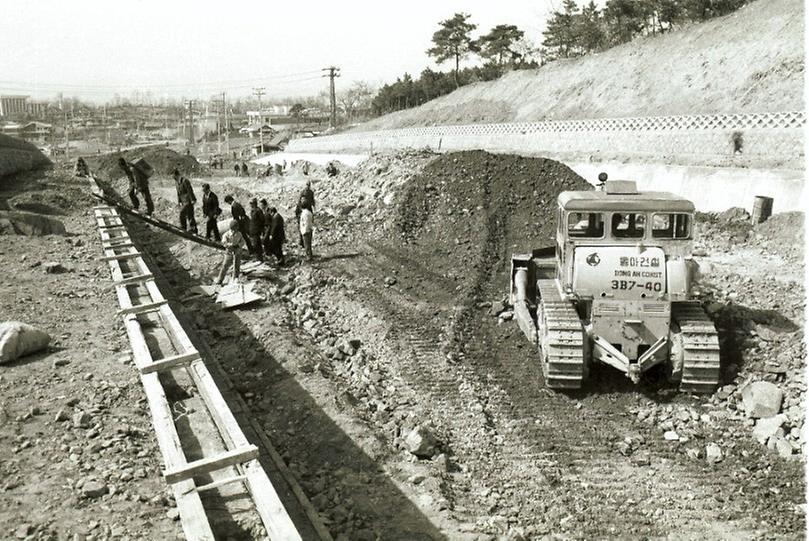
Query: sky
{"x": 179, "y": 48}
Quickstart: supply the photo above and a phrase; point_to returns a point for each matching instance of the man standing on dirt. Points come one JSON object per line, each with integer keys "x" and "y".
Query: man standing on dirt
{"x": 308, "y": 194}
{"x": 211, "y": 211}
{"x": 186, "y": 201}
{"x": 256, "y": 229}
{"x": 232, "y": 240}
{"x": 276, "y": 236}
{"x": 307, "y": 227}
{"x": 245, "y": 172}
{"x": 236, "y": 169}
{"x": 138, "y": 182}
{"x": 241, "y": 219}
{"x": 265, "y": 235}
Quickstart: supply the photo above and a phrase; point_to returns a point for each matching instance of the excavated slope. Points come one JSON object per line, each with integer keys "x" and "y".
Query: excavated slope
{"x": 749, "y": 61}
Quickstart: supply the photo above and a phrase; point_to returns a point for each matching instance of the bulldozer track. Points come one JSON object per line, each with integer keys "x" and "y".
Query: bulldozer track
{"x": 700, "y": 343}
{"x": 561, "y": 339}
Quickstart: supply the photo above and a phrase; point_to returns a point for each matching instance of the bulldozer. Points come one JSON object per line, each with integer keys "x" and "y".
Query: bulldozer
{"x": 616, "y": 288}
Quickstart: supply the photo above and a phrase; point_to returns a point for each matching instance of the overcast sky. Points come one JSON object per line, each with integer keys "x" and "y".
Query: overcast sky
{"x": 182, "y": 48}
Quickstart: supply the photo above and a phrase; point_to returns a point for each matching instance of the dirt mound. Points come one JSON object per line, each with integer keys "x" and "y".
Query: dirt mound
{"x": 467, "y": 212}
{"x": 782, "y": 234}
{"x": 163, "y": 160}
{"x": 17, "y": 155}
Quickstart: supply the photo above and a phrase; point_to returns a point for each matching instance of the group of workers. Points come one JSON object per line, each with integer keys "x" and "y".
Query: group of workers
{"x": 262, "y": 231}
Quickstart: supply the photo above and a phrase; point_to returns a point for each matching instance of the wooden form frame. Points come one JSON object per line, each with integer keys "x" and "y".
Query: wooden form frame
{"x": 179, "y": 473}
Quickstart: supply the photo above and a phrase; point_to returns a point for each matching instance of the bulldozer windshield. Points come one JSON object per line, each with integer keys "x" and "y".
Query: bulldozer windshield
{"x": 585, "y": 225}
{"x": 628, "y": 225}
{"x": 671, "y": 226}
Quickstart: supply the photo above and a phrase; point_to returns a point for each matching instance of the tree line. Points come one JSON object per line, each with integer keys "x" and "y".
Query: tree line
{"x": 575, "y": 31}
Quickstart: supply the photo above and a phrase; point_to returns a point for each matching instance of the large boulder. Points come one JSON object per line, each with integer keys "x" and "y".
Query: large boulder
{"x": 762, "y": 399}
{"x": 26, "y": 223}
{"x": 421, "y": 442}
{"x": 18, "y": 339}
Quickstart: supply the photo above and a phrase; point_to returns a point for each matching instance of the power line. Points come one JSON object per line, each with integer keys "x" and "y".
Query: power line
{"x": 232, "y": 82}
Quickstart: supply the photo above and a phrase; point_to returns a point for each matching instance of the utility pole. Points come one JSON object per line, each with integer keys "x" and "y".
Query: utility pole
{"x": 333, "y": 72}
{"x": 191, "y": 121}
{"x": 227, "y": 126}
{"x": 260, "y": 92}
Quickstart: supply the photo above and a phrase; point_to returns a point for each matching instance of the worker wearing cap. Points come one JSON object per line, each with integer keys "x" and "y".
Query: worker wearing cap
{"x": 276, "y": 235}
{"x": 185, "y": 201}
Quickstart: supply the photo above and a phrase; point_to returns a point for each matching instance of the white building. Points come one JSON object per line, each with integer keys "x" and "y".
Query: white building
{"x": 11, "y": 106}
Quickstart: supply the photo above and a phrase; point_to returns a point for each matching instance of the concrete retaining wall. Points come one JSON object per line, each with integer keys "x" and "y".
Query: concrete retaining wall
{"x": 718, "y": 161}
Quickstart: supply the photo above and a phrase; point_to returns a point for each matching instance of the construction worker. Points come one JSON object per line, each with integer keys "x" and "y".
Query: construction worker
{"x": 256, "y": 229}
{"x": 245, "y": 172}
{"x": 307, "y": 227}
{"x": 185, "y": 201}
{"x": 276, "y": 235}
{"x": 232, "y": 239}
{"x": 331, "y": 169}
{"x": 138, "y": 182}
{"x": 81, "y": 168}
{"x": 236, "y": 168}
{"x": 308, "y": 194}
{"x": 265, "y": 208}
{"x": 211, "y": 211}
{"x": 240, "y": 217}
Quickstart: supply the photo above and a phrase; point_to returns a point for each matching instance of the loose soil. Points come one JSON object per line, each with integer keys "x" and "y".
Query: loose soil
{"x": 389, "y": 329}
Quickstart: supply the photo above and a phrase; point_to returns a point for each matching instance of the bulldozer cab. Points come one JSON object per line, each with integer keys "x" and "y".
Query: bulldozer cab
{"x": 620, "y": 243}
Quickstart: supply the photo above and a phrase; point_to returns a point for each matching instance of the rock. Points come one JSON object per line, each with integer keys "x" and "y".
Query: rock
{"x": 762, "y": 399}
{"x": 173, "y": 513}
{"x": 781, "y": 445}
{"x": 81, "y": 419}
{"x": 61, "y": 416}
{"x": 94, "y": 489}
{"x": 421, "y": 442}
{"x": 25, "y": 223}
{"x": 60, "y": 362}
{"x": 23, "y": 531}
{"x": 496, "y": 308}
{"x": 287, "y": 289}
{"x": 52, "y": 267}
{"x": 18, "y": 339}
{"x": 769, "y": 427}
{"x": 671, "y": 435}
{"x": 390, "y": 280}
{"x": 713, "y": 453}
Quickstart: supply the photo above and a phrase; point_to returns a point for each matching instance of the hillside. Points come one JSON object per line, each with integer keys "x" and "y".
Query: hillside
{"x": 749, "y": 61}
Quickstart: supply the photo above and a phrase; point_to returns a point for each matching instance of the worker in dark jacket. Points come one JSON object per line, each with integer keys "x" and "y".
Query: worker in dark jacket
{"x": 276, "y": 235}
{"x": 138, "y": 182}
{"x": 211, "y": 211}
{"x": 308, "y": 194}
{"x": 256, "y": 229}
{"x": 265, "y": 236}
{"x": 185, "y": 201}
{"x": 240, "y": 216}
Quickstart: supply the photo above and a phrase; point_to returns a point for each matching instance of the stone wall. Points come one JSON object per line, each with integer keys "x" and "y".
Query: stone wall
{"x": 768, "y": 140}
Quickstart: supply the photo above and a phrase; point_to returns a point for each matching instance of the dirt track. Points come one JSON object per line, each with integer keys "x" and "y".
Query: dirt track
{"x": 514, "y": 458}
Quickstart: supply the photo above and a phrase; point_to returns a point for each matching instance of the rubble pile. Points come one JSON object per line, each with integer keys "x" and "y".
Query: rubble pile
{"x": 162, "y": 159}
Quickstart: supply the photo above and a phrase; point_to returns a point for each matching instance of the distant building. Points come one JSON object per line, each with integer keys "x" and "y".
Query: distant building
{"x": 13, "y": 106}
{"x": 37, "y": 109}
{"x": 36, "y": 130}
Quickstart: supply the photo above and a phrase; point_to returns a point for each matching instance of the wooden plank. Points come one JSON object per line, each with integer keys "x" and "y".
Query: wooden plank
{"x": 192, "y": 513}
{"x": 134, "y": 279}
{"x": 118, "y": 257}
{"x": 117, "y": 245}
{"x": 142, "y": 308}
{"x": 170, "y": 362}
{"x": 239, "y": 455}
{"x": 221, "y": 482}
